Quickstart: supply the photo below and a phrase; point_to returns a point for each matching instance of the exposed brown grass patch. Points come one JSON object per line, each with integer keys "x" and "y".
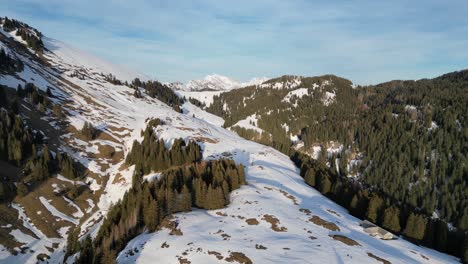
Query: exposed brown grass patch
{"x": 333, "y": 212}
{"x": 323, "y": 223}
{"x": 118, "y": 178}
{"x": 239, "y": 258}
{"x": 252, "y": 221}
{"x": 171, "y": 225}
{"x": 274, "y": 223}
{"x": 346, "y": 240}
{"x": 183, "y": 260}
{"x": 378, "y": 258}
{"x": 205, "y": 140}
{"x": 185, "y": 128}
{"x": 216, "y": 254}
{"x": 289, "y": 196}
{"x": 305, "y": 211}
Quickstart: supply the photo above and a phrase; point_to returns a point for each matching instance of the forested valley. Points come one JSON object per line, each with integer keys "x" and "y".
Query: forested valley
{"x": 403, "y": 147}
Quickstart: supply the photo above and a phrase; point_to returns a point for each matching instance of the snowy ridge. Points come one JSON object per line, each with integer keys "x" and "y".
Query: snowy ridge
{"x": 73, "y": 58}
{"x": 214, "y": 82}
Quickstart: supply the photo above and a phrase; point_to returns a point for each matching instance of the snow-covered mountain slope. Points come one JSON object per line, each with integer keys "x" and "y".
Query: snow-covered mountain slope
{"x": 275, "y": 218}
{"x": 214, "y": 82}
{"x": 73, "y": 58}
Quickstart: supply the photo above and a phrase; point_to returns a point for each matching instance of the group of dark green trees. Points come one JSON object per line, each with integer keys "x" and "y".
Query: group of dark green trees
{"x": 411, "y": 137}
{"x": 27, "y": 33}
{"x": 397, "y": 217}
{"x": 188, "y": 183}
{"x": 154, "y": 89}
{"x": 27, "y": 150}
{"x": 153, "y": 155}
{"x": 158, "y": 90}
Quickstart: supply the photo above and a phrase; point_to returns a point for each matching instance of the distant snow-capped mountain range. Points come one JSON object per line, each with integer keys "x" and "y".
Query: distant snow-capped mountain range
{"x": 214, "y": 82}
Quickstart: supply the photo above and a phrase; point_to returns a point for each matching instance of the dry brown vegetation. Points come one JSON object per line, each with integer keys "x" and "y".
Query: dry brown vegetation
{"x": 252, "y": 221}
{"x": 346, "y": 240}
{"x": 274, "y": 223}
{"x": 323, "y": 223}
{"x": 384, "y": 261}
{"x": 238, "y": 257}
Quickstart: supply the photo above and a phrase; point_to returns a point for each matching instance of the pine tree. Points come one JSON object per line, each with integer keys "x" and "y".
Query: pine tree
{"x": 415, "y": 226}
{"x": 310, "y": 177}
{"x": 87, "y": 252}
{"x": 391, "y": 219}
{"x": 373, "y": 211}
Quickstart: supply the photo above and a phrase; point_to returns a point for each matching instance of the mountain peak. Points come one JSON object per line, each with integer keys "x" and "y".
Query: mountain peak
{"x": 215, "y": 82}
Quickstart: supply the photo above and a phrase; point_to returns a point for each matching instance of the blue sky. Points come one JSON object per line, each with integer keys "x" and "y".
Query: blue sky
{"x": 366, "y": 41}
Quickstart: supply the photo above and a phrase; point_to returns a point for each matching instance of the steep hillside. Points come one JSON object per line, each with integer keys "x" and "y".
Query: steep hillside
{"x": 83, "y": 135}
{"x": 404, "y": 142}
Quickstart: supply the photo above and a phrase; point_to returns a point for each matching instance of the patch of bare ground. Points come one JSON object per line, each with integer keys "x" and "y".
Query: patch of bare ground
{"x": 118, "y": 178}
{"x": 40, "y": 216}
{"x": 260, "y": 247}
{"x": 378, "y": 258}
{"x": 221, "y": 214}
{"x": 274, "y": 223}
{"x": 312, "y": 238}
{"x": 239, "y": 258}
{"x": 424, "y": 257}
{"x": 183, "y": 260}
{"x": 216, "y": 254}
{"x": 323, "y": 223}
{"x": 268, "y": 188}
{"x": 172, "y": 225}
{"x": 118, "y": 129}
{"x": 165, "y": 245}
{"x": 185, "y": 128}
{"x": 305, "y": 211}
{"x": 108, "y": 152}
{"x": 226, "y": 236}
{"x": 252, "y": 221}
{"x": 289, "y": 196}
{"x": 333, "y": 212}
{"x": 9, "y": 216}
{"x": 346, "y": 240}
{"x": 205, "y": 140}
{"x": 106, "y": 136}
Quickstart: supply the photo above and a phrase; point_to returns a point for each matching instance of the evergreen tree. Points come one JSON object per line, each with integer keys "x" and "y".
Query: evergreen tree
{"x": 415, "y": 226}
{"x": 391, "y": 219}
{"x": 87, "y": 252}
{"x": 375, "y": 205}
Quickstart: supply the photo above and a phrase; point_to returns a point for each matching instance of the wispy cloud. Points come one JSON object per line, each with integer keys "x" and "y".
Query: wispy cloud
{"x": 365, "y": 41}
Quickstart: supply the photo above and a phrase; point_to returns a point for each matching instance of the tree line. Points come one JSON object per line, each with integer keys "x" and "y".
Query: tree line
{"x": 379, "y": 208}
{"x": 23, "y": 148}
{"x": 203, "y": 185}
{"x": 153, "y": 155}
{"x": 23, "y": 30}
{"x": 410, "y": 136}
